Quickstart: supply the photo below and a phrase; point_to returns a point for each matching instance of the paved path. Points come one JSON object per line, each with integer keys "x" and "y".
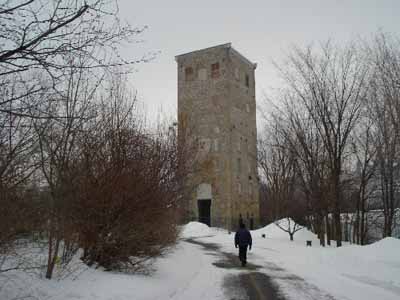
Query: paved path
{"x": 252, "y": 283}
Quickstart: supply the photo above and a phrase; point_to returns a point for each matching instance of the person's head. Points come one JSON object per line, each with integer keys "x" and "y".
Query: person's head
{"x": 242, "y": 225}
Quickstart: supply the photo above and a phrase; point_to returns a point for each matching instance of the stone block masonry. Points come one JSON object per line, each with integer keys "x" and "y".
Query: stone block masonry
{"x": 216, "y": 101}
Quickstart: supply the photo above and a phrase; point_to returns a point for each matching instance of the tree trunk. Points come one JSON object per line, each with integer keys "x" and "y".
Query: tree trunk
{"x": 356, "y": 228}
{"x": 49, "y": 254}
{"x": 362, "y": 227}
{"x": 388, "y": 224}
{"x": 338, "y": 227}
{"x": 346, "y": 230}
{"x": 328, "y": 230}
{"x": 362, "y": 224}
{"x": 321, "y": 232}
{"x": 54, "y": 237}
{"x": 53, "y": 255}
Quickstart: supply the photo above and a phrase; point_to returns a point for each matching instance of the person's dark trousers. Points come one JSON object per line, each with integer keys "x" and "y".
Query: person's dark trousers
{"x": 243, "y": 254}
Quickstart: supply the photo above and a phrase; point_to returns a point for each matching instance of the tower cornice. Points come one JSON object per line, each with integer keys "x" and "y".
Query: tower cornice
{"x": 222, "y": 46}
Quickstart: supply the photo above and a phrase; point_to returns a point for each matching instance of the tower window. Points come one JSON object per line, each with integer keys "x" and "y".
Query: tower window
{"x": 247, "y": 80}
{"x": 239, "y": 165}
{"x": 189, "y": 73}
{"x": 204, "y": 144}
{"x": 215, "y": 70}
{"x": 202, "y": 74}
{"x": 220, "y": 164}
{"x": 216, "y": 148}
{"x": 237, "y": 75}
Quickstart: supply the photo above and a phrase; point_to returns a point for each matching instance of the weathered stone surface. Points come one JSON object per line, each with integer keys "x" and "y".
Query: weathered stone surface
{"x": 216, "y": 100}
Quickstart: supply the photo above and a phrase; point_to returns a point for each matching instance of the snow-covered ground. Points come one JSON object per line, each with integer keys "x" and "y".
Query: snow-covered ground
{"x": 350, "y": 272}
{"x": 183, "y": 273}
{"x": 187, "y": 271}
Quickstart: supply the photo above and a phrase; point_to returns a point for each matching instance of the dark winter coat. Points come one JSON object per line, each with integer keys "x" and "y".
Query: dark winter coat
{"x": 243, "y": 238}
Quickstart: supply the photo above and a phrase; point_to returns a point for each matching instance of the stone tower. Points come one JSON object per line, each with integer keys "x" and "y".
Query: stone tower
{"x": 216, "y": 103}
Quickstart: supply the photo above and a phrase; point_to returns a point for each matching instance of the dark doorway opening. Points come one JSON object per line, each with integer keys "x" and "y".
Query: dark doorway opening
{"x": 204, "y": 211}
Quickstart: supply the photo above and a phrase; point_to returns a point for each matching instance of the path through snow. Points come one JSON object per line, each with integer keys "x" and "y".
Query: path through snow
{"x": 259, "y": 282}
{"x": 300, "y": 272}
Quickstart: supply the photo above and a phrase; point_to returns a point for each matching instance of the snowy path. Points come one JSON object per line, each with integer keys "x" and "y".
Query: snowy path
{"x": 298, "y": 272}
{"x": 259, "y": 281}
{"x": 246, "y": 283}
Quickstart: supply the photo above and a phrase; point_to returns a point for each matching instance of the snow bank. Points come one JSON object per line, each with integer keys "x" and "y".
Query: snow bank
{"x": 386, "y": 250}
{"x": 272, "y": 231}
{"x": 195, "y": 229}
{"x": 387, "y": 244}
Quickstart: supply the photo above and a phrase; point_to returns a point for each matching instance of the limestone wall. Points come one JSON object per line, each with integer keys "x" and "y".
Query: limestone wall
{"x": 217, "y": 106}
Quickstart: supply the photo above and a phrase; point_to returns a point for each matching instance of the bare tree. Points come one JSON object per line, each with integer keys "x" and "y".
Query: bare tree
{"x": 129, "y": 183}
{"x": 363, "y": 178}
{"x": 278, "y": 162}
{"x": 330, "y": 85}
{"x": 53, "y": 59}
{"x": 384, "y": 107}
{"x": 39, "y": 42}
{"x": 57, "y": 143}
{"x": 299, "y": 135}
{"x": 289, "y": 226}
{"x": 17, "y": 163}
{"x": 278, "y": 170}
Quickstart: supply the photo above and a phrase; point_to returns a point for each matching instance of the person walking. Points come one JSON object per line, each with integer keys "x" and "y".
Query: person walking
{"x": 243, "y": 240}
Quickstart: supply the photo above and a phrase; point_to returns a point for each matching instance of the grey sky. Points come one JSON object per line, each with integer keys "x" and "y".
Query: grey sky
{"x": 260, "y": 30}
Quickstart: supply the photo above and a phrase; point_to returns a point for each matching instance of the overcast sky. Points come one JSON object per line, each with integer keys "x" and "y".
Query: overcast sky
{"x": 261, "y": 30}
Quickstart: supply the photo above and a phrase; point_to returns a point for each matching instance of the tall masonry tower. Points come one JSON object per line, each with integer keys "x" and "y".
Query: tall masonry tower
{"x": 216, "y": 105}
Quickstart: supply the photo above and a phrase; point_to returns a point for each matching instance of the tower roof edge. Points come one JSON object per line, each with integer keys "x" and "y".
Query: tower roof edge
{"x": 243, "y": 58}
{"x": 226, "y": 46}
